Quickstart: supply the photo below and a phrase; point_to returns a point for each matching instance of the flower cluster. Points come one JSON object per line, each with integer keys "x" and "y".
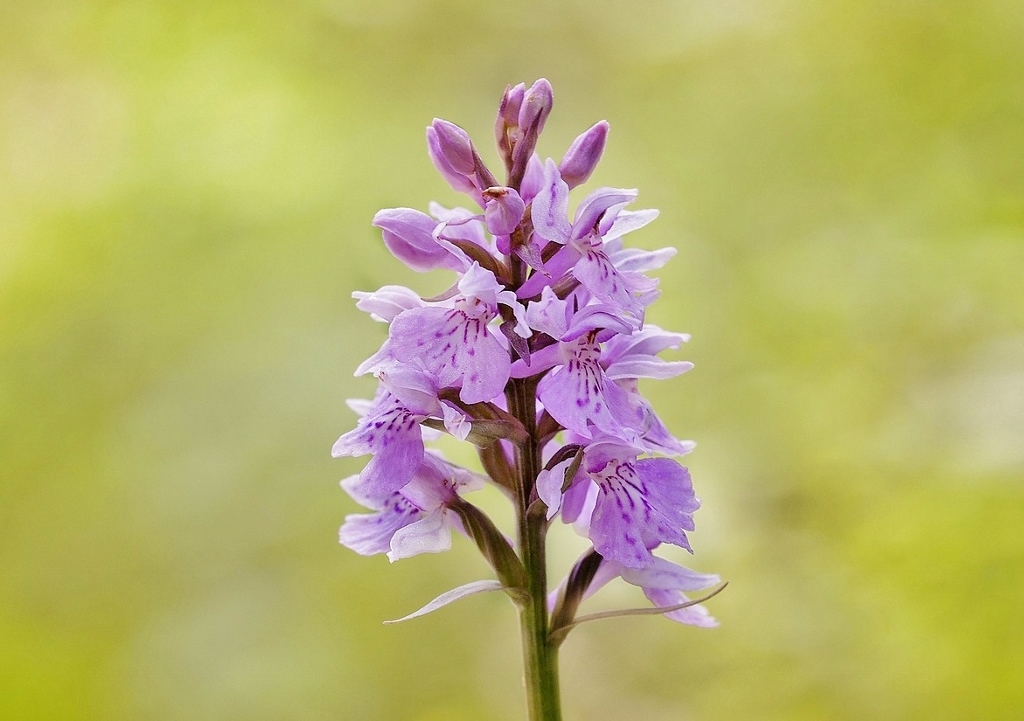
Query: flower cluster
{"x": 534, "y": 354}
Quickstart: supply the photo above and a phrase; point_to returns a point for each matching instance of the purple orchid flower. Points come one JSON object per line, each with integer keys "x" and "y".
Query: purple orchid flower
{"x": 455, "y": 344}
{"x": 624, "y": 505}
{"x": 583, "y": 240}
{"x": 390, "y": 430}
{"x": 626, "y": 359}
{"x": 578, "y": 393}
{"x": 581, "y": 396}
{"x": 413, "y": 520}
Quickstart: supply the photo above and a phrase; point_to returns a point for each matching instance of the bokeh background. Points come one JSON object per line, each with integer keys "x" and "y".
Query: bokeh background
{"x": 185, "y": 197}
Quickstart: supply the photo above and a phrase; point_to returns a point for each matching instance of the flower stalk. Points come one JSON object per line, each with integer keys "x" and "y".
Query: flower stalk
{"x": 540, "y": 656}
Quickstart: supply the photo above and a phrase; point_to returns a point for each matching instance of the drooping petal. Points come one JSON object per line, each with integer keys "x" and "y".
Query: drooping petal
{"x": 649, "y": 367}
{"x": 368, "y": 534}
{"x": 663, "y": 582}
{"x": 629, "y": 220}
{"x": 430, "y": 534}
{"x": 635, "y": 260}
{"x": 646, "y": 343}
{"x": 392, "y": 434}
{"x": 654, "y": 435}
{"x": 663, "y": 575}
{"x": 691, "y": 615}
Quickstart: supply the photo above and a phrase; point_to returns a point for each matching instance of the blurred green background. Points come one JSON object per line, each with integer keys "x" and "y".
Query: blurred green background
{"x": 186, "y": 191}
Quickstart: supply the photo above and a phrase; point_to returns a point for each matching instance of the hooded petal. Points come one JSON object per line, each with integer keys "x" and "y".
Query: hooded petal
{"x": 593, "y": 208}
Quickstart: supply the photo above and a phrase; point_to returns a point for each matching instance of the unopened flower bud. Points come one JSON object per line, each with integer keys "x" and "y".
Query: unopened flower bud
{"x": 533, "y": 113}
{"x": 507, "y": 123}
{"x": 536, "y": 107}
{"x": 408, "y": 234}
{"x": 455, "y": 146}
{"x": 583, "y": 155}
{"x": 435, "y": 149}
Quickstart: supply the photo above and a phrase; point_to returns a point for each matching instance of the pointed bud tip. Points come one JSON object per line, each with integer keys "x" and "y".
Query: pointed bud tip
{"x": 454, "y": 145}
{"x": 536, "y": 106}
{"x": 584, "y": 154}
{"x": 511, "y": 101}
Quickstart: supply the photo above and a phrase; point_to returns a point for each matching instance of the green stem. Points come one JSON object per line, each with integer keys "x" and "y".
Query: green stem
{"x": 540, "y": 655}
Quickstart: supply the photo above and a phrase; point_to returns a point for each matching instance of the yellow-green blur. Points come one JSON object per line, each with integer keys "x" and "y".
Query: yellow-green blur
{"x": 186, "y": 191}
